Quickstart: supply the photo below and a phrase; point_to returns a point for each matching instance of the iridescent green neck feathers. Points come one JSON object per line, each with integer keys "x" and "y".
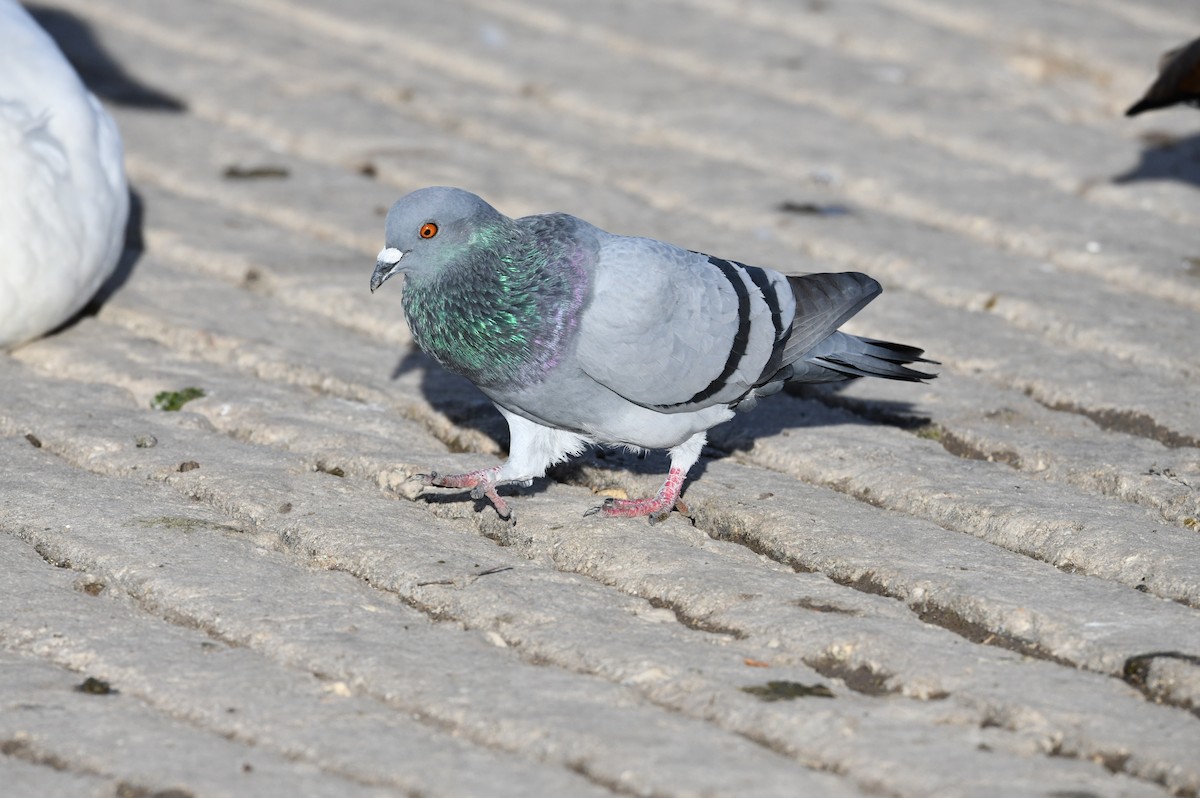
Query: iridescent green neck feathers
{"x": 501, "y": 307}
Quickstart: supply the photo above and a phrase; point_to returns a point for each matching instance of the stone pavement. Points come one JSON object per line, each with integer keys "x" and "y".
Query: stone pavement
{"x": 987, "y": 586}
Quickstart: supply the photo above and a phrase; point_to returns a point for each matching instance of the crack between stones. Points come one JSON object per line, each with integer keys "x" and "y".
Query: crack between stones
{"x": 865, "y": 582}
{"x": 178, "y": 617}
{"x": 1130, "y": 422}
{"x": 864, "y": 495}
{"x": 26, "y": 750}
{"x": 928, "y": 612}
{"x": 960, "y": 446}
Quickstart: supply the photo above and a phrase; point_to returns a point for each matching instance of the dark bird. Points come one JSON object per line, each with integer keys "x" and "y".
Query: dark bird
{"x": 1178, "y": 80}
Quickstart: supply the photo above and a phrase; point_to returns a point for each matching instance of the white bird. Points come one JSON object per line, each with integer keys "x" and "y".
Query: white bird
{"x": 64, "y": 199}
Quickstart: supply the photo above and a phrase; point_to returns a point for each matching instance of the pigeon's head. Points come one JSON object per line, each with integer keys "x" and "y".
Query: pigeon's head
{"x": 433, "y": 227}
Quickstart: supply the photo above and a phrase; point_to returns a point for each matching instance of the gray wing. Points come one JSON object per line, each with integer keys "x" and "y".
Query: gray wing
{"x": 677, "y": 330}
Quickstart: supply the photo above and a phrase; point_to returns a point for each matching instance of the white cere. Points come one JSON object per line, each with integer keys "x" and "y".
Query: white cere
{"x": 390, "y": 255}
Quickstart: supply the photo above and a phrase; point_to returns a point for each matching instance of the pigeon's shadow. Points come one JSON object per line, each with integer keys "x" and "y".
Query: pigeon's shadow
{"x": 454, "y": 397}
{"x": 1165, "y": 157}
{"x": 798, "y": 407}
{"x": 102, "y": 73}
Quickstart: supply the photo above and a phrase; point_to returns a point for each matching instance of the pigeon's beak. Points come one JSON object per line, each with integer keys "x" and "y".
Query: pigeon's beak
{"x": 386, "y": 264}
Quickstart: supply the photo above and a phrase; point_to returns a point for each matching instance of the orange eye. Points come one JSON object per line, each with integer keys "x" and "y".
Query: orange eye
{"x": 428, "y": 230}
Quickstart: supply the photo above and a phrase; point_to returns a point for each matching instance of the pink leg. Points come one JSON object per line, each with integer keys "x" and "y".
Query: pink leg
{"x": 480, "y": 482}
{"x": 658, "y": 507}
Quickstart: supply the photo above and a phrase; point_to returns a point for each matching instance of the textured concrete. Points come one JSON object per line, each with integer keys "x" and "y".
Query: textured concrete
{"x": 986, "y": 586}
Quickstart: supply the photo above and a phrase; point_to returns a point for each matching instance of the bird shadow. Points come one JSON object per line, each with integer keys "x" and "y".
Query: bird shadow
{"x": 798, "y": 407}
{"x": 454, "y": 397}
{"x": 1165, "y": 157}
{"x": 801, "y": 407}
{"x": 102, "y": 73}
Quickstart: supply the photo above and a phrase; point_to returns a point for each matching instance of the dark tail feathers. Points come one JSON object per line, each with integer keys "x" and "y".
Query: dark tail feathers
{"x": 843, "y": 356}
{"x": 816, "y": 351}
{"x": 874, "y": 358}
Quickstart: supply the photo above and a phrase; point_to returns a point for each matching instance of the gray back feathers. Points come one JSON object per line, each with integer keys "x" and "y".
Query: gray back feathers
{"x": 508, "y": 302}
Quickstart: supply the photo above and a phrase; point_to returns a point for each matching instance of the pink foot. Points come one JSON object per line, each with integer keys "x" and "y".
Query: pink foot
{"x": 480, "y": 482}
{"x": 657, "y": 507}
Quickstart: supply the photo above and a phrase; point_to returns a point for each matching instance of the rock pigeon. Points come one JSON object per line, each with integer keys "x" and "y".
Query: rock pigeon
{"x": 584, "y": 337}
{"x": 63, "y": 194}
{"x": 1178, "y": 80}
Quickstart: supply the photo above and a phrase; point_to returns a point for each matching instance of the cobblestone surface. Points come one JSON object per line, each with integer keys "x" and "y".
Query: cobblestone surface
{"x": 987, "y": 586}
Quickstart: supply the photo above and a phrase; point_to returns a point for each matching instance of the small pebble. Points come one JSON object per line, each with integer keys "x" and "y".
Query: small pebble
{"x": 93, "y": 686}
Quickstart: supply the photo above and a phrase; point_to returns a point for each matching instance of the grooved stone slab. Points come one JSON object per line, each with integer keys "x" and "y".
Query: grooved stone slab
{"x": 985, "y": 586}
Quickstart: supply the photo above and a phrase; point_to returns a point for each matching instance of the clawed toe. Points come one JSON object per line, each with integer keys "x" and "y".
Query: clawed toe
{"x": 656, "y": 508}
{"x": 428, "y": 480}
{"x": 608, "y": 504}
{"x": 479, "y": 484}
